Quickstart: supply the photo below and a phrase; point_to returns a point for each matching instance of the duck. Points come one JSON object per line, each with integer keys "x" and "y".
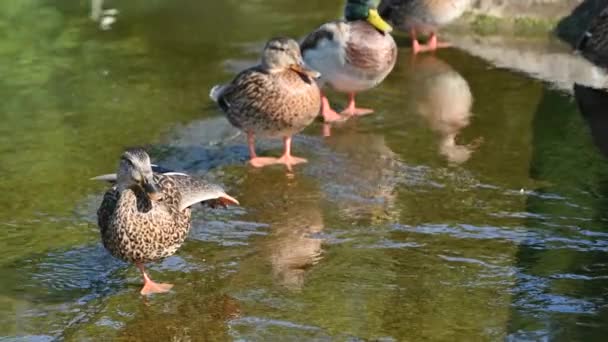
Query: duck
{"x": 593, "y": 44}
{"x": 276, "y": 98}
{"x": 422, "y": 17}
{"x": 353, "y": 55}
{"x": 145, "y": 216}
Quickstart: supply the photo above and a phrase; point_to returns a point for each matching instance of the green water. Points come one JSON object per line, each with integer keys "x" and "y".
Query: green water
{"x": 389, "y": 232}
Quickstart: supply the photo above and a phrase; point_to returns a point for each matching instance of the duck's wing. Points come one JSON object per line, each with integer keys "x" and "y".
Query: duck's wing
{"x": 111, "y": 177}
{"x": 326, "y": 32}
{"x": 106, "y": 209}
{"x": 230, "y": 97}
{"x": 195, "y": 190}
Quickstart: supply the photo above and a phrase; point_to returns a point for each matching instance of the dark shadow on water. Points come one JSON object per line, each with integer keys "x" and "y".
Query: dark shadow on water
{"x": 593, "y": 104}
{"x": 562, "y": 287}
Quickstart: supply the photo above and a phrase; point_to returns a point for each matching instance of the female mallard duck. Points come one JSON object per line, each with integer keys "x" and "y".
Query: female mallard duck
{"x": 279, "y": 97}
{"x": 422, "y": 17}
{"x": 145, "y": 216}
{"x": 352, "y": 55}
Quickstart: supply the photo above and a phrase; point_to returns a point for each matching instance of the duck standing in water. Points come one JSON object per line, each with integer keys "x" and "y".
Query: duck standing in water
{"x": 422, "y": 17}
{"x": 352, "y": 55}
{"x": 145, "y": 216}
{"x": 277, "y": 98}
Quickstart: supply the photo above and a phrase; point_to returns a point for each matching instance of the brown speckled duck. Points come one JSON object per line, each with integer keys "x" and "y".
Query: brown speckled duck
{"x": 145, "y": 215}
{"x": 277, "y": 98}
{"x": 422, "y": 17}
{"x": 352, "y": 55}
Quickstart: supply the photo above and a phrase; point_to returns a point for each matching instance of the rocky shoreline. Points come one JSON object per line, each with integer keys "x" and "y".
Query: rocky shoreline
{"x": 566, "y": 19}
{"x": 536, "y": 37}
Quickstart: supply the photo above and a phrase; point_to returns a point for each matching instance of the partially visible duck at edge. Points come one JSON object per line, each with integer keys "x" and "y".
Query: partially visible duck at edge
{"x": 277, "y": 98}
{"x": 352, "y": 55}
{"x": 422, "y": 17}
{"x": 594, "y": 42}
{"x": 145, "y": 215}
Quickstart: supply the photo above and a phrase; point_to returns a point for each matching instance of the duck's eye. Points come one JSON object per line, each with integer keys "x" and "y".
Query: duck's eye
{"x": 128, "y": 161}
{"x": 278, "y": 48}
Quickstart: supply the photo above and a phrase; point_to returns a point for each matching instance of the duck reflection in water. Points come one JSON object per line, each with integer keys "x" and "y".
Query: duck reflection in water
{"x": 359, "y": 173}
{"x": 294, "y": 246}
{"x": 443, "y": 97}
{"x": 592, "y": 104}
{"x": 105, "y": 17}
{"x": 293, "y": 210}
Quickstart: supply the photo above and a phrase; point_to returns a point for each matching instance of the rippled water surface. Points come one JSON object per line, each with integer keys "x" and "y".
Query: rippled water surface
{"x": 472, "y": 206}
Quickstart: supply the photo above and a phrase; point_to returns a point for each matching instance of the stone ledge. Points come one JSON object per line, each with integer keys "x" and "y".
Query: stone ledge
{"x": 567, "y": 19}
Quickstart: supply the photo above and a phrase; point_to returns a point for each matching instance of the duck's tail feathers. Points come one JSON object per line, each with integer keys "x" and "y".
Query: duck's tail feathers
{"x": 110, "y": 178}
{"x": 216, "y": 92}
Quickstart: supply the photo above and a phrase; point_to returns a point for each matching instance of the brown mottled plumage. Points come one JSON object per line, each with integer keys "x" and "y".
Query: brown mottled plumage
{"x": 145, "y": 216}
{"x": 274, "y": 104}
{"x": 352, "y": 55}
{"x": 422, "y": 17}
{"x": 277, "y": 98}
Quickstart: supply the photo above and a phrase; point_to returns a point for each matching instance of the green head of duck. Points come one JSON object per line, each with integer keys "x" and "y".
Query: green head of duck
{"x": 365, "y": 10}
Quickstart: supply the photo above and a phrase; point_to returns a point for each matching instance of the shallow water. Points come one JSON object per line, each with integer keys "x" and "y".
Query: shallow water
{"x": 428, "y": 220}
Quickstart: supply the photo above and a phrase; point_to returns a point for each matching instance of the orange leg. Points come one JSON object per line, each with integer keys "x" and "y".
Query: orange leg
{"x": 329, "y": 115}
{"x": 352, "y": 110}
{"x": 254, "y": 160}
{"x": 251, "y": 145}
{"x": 431, "y": 45}
{"x": 150, "y": 286}
{"x": 286, "y": 159}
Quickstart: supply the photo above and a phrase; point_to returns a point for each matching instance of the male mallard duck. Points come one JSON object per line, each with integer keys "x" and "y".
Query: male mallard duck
{"x": 352, "y": 55}
{"x": 145, "y": 216}
{"x": 422, "y": 17}
{"x": 279, "y": 97}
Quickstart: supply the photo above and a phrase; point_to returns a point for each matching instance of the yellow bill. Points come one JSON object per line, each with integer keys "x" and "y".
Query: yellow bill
{"x": 375, "y": 19}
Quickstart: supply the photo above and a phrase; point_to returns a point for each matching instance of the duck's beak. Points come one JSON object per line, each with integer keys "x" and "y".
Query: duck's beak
{"x": 304, "y": 70}
{"x": 376, "y": 20}
{"x": 153, "y": 190}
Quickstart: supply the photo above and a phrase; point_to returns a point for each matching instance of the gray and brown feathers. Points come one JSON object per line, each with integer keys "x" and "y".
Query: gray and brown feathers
{"x": 352, "y": 56}
{"x": 270, "y": 99}
{"x": 422, "y": 15}
{"x": 365, "y": 47}
{"x": 137, "y": 229}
